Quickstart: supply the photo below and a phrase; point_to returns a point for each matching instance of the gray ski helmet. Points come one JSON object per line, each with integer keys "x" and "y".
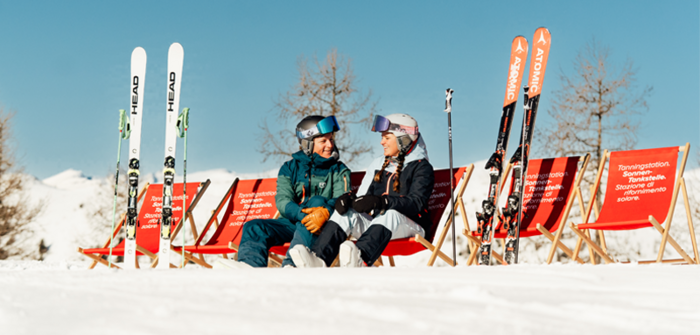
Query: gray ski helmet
{"x": 314, "y": 126}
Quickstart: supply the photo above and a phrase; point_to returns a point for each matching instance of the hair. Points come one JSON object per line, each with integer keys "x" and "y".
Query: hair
{"x": 400, "y": 160}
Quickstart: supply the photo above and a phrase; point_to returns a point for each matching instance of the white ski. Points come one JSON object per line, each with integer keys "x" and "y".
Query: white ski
{"x": 175, "y": 58}
{"x": 138, "y": 80}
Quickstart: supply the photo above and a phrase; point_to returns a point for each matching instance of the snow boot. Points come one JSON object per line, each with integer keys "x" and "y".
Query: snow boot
{"x": 350, "y": 256}
{"x": 304, "y": 258}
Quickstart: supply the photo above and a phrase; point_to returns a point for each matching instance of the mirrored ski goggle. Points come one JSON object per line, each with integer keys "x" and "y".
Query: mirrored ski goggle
{"x": 381, "y": 124}
{"x": 325, "y": 126}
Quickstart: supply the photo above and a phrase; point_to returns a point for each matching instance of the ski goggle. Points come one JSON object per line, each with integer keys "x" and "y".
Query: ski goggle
{"x": 381, "y": 124}
{"x": 325, "y": 126}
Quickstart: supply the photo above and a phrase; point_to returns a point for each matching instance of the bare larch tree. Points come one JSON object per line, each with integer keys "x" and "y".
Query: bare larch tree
{"x": 597, "y": 108}
{"x": 15, "y": 212}
{"x": 324, "y": 88}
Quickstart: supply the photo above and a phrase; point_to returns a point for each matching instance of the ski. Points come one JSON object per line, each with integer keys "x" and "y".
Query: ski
{"x": 513, "y": 212}
{"x": 518, "y": 57}
{"x": 138, "y": 79}
{"x": 175, "y": 59}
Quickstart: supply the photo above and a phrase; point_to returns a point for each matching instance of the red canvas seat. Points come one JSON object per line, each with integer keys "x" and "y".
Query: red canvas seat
{"x": 642, "y": 189}
{"x": 439, "y": 202}
{"x": 245, "y": 200}
{"x": 550, "y": 188}
{"x": 148, "y": 227}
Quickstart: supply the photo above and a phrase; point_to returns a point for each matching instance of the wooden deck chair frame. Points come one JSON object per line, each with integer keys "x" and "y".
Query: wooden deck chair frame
{"x": 188, "y": 216}
{"x": 440, "y": 239}
{"x": 679, "y": 185}
{"x": 96, "y": 258}
{"x": 458, "y": 205}
{"x": 475, "y": 242}
{"x": 198, "y": 258}
{"x": 576, "y": 193}
{"x": 213, "y": 220}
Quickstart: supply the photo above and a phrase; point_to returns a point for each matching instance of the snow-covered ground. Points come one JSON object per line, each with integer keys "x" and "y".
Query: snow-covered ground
{"x": 61, "y": 295}
{"x": 65, "y": 298}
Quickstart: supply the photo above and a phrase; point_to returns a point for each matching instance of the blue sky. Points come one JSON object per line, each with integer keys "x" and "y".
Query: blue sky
{"x": 64, "y": 69}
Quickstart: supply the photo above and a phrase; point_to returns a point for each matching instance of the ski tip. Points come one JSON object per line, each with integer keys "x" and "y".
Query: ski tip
{"x": 138, "y": 52}
{"x": 176, "y": 47}
{"x": 519, "y": 46}
{"x": 542, "y": 35}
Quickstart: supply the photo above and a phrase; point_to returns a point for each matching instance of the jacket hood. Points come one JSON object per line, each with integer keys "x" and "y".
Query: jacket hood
{"x": 420, "y": 151}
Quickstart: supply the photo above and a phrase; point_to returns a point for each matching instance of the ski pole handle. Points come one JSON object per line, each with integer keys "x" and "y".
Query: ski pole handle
{"x": 122, "y": 120}
{"x": 448, "y": 100}
{"x": 183, "y": 122}
{"x": 186, "y": 118}
{"x": 124, "y": 125}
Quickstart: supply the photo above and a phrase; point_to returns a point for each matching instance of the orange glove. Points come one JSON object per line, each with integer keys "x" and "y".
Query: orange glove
{"x": 315, "y": 219}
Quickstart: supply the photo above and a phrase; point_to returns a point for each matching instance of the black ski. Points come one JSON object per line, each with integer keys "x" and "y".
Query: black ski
{"x": 518, "y": 56}
{"x": 513, "y": 212}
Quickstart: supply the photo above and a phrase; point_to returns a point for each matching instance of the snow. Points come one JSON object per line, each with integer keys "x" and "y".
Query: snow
{"x": 69, "y": 200}
{"x": 563, "y": 298}
{"x": 41, "y": 297}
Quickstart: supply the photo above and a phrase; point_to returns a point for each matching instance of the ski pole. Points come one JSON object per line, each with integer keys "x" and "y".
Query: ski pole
{"x": 448, "y": 110}
{"x": 523, "y": 171}
{"x": 124, "y": 133}
{"x": 183, "y": 122}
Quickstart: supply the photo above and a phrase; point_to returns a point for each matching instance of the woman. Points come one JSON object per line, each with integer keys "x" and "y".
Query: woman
{"x": 396, "y": 191}
{"x": 307, "y": 186}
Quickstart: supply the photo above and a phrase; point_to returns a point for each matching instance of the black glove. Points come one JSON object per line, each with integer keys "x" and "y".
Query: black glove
{"x": 344, "y": 202}
{"x": 368, "y": 203}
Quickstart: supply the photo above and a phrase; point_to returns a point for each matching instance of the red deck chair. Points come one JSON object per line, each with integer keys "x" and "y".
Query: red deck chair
{"x": 245, "y": 200}
{"x": 642, "y": 188}
{"x": 439, "y": 200}
{"x": 262, "y": 192}
{"x": 550, "y": 188}
{"x": 147, "y": 229}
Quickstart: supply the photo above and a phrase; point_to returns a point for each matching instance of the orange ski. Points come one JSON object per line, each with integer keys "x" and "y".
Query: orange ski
{"x": 513, "y": 212}
{"x": 518, "y": 57}
{"x": 538, "y": 60}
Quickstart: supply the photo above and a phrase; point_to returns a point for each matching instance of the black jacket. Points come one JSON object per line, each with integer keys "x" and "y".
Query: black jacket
{"x": 417, "y": 181}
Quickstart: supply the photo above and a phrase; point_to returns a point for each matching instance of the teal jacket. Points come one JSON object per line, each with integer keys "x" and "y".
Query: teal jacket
{"x": 303, "y": 177}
